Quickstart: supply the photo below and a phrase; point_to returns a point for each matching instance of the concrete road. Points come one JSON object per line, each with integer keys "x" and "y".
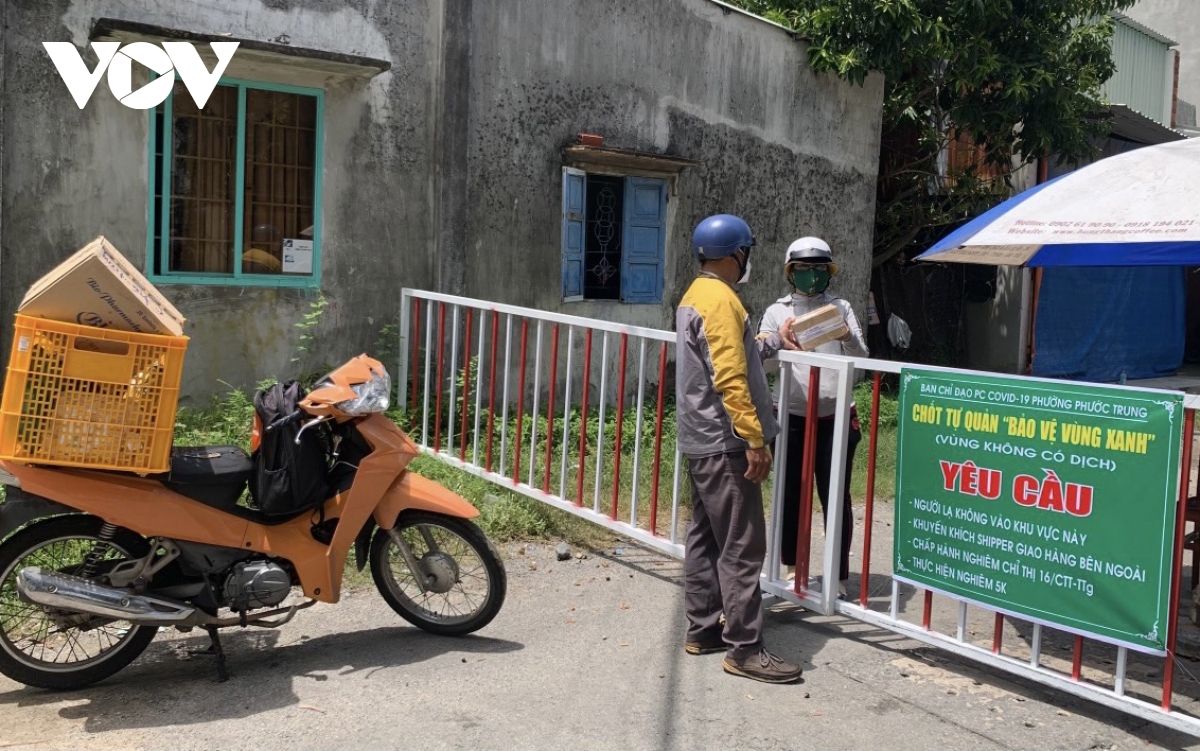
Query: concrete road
{"x": 585, "y": 655}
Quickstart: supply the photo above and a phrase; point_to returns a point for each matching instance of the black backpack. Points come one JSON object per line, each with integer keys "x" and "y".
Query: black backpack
{"x": 288, "y": 477}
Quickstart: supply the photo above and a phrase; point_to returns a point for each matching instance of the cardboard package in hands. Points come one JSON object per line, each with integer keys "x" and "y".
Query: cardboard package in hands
{"x": 820, "y": 326}
{"x": 97, "y": 286}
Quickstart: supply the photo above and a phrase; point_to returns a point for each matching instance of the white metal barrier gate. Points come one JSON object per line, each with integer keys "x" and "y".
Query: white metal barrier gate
{"x": 482, "y": 410}
{"x": 469, "y": 384}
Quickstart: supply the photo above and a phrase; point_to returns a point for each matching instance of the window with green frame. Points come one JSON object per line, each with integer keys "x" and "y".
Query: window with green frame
{"x": 235, "y": 187}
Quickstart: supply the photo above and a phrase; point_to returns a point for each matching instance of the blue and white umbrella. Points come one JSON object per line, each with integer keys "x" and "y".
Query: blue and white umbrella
{"x": 1139, "y": 208}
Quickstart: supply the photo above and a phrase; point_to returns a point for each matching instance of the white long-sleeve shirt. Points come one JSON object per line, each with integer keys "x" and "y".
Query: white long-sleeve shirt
{"x": 854, "y": 346}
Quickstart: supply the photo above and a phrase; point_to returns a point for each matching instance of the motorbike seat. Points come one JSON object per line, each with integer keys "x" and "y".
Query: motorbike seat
{"x": 213, "y": 475}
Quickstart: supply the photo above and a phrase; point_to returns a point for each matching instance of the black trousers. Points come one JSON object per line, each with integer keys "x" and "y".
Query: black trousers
{"x": 823, "y": 463}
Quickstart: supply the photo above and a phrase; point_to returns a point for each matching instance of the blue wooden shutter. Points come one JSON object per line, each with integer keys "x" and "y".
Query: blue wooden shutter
{"x": 573, "y": 202}
{"x": 642, "y": 247}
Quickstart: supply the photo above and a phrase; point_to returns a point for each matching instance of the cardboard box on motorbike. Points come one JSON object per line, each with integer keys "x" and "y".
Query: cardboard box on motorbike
{"x": 97, "y": 286}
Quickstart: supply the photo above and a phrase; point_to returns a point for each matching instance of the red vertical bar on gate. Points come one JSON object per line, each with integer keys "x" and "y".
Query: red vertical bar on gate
{"x": 466, "y": 397}
{"x": 437, "y": 411}
{"x": 1077, "y": 659}
{"x": 492, "y": 389}
{"x": 997, "y": 633}
{"x": 412, "y": 360}
{"x": 550, "y": 409}
{"x": 804, "y": 534}
{"x": 658, "y": 436}
{"x": 1177, "y": 568}
{"x": 583, "y": 407}
{"x": 864, "y": 589}
{"x": 520, "y": 404}
{"x": 619, "y": 430}
{"x": 927, "y": 610}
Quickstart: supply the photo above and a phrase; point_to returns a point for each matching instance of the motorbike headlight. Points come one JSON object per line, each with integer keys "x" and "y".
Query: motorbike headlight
{"x": 372, "y": 396}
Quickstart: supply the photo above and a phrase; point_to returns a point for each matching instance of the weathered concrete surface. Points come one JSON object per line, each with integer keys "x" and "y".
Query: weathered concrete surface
{"x": 445, "y": 171}
{"x": 794, "y": 153}
{"x": 585, "y": 654}
{"x": 71, "y": 174}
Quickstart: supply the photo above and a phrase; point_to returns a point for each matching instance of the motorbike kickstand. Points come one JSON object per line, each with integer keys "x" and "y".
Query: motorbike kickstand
{"x": 216, "y": 651}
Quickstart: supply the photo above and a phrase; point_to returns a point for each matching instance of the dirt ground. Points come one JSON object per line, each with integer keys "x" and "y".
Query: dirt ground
{"x": 586, "y": 654}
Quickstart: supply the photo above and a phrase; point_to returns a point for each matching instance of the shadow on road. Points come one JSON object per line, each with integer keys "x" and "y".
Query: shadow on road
{"x": 165, "y": 687}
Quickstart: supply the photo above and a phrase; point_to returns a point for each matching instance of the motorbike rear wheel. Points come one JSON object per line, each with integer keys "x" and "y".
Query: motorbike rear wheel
{"x": 60, "y": 650}
{"x": 465, "y": 582}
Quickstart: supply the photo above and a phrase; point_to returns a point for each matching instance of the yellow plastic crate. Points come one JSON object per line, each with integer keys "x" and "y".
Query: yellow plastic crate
{"x": 79, "y": 396}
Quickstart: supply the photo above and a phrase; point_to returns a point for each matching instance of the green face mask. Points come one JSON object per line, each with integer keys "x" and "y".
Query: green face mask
{"x": 810, "y": 281}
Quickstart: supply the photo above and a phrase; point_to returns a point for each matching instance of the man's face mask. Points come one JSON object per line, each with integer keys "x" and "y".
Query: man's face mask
{"x": 810, "y": 280}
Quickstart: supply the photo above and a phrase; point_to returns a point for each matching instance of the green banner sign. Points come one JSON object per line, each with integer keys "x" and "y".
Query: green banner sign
{"x": 1050, "y": 501}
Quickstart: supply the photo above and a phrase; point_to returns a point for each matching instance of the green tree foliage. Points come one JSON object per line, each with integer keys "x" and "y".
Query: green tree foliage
{"x": 1019, "y": 79}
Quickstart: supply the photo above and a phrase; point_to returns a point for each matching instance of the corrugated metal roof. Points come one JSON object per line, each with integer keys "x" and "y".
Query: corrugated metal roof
{"x": 1140, "y": 81}
{"x": 735, "y": 9}
{"x": 1122, "y": 18}
{"x": 1134, "y": 126}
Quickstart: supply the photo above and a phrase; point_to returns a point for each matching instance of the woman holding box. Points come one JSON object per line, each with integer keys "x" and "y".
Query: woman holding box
{"x": 808, "y": 265}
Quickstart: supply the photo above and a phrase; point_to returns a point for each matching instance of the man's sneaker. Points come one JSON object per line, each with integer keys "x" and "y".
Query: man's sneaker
{"x": 763, "y": 666}
{"x": 705, "y": 647}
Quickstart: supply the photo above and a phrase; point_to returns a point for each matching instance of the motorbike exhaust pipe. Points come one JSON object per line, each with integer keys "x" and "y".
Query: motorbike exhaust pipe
{"x": 64, "y": 592}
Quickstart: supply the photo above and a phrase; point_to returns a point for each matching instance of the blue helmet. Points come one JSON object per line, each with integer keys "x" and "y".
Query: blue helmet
{"x": 721, "y": 235}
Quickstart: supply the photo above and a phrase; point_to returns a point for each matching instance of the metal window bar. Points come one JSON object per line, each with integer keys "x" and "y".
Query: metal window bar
{"x": 600, "y": 429}
{"x": 508, "y": 326}
{"x": 410, "y": 398}
{"x": 775, "y": 542}
{"x": 618, "y": 429}
{"x": 658, "y": 437}
{"x": 466, "y": 376}
{"x": 550, "y": 410}
{"x": 441, "y": 357}
{"x": 425, "y": 401}
{"x": 537, "y": 385}
{"x": 478, "y": 390}
{"x": 453, "y": 379}
{"x": 804, "y": 536}
{"x": 566, "y": 436}
{"x": 491, "y": 421}
{"x": 864, "y": 589}
{"x": 637, "y": 433}
{"x": 586, "y": 376}
{"x": 1035, "y": 649}
{"x": 520, "y": 437}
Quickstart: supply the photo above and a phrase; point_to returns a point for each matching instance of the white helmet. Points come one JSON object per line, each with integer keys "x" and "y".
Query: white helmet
{"x": 809, "y": 250}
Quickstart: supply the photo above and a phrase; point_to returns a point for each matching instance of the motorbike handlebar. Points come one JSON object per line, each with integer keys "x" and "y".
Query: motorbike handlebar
{"x": 279, "y": 423}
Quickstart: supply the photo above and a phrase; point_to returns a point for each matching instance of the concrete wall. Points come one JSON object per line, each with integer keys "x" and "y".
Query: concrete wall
{"x": 997, "y": 330}
{"x": 1179, "y": 20}
{"x": 70, "y": 174}
{"x": 444, "y": 172}
{"x": 794, "y": 153}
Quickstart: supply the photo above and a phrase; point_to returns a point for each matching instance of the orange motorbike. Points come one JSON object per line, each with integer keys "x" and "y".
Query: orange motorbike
{"x": 93, "y": 563}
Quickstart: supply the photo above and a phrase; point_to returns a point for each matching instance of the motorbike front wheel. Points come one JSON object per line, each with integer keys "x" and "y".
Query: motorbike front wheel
{"x": 462, "y": 581}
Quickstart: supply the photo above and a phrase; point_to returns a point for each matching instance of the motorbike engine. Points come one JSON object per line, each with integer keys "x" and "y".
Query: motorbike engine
{"x": 256, "y": 584}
